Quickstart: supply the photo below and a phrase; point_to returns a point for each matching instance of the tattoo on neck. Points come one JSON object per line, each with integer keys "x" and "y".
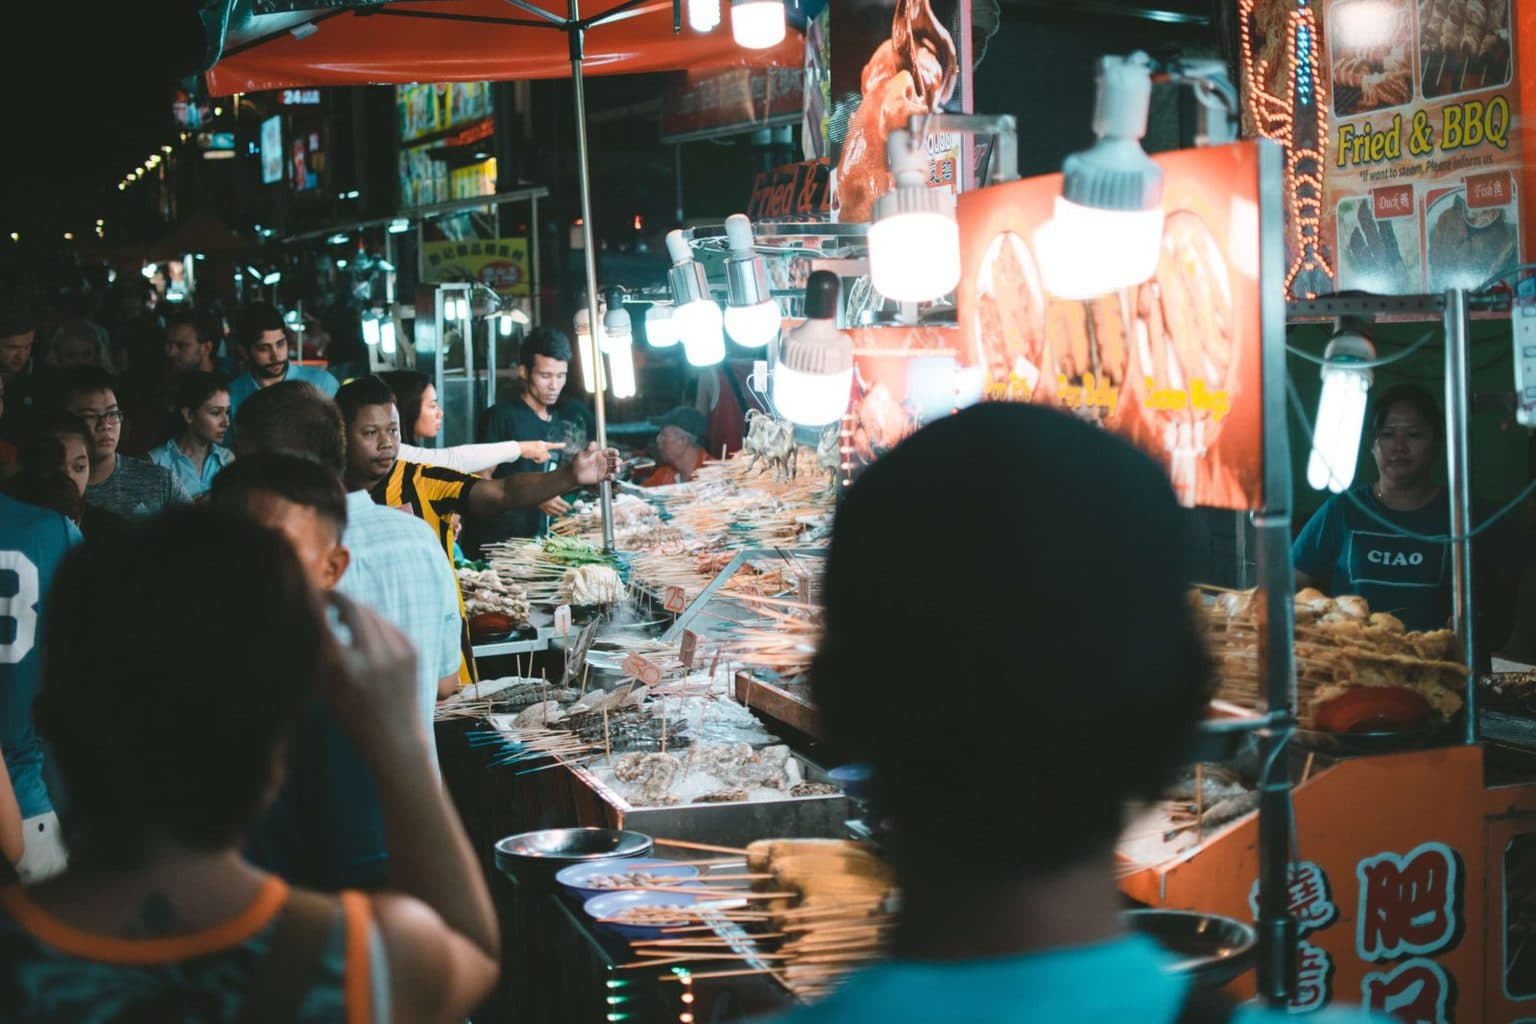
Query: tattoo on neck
{"x": 157, "y": 918}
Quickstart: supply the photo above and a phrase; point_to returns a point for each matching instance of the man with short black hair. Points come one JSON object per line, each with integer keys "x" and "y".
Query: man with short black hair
{"x": 121, "y": 484}
{"x": 191, "y": 339}
{"x": 325, "y": 830}
{"x": 397, "y": 567}
{"x": 544, "y": 361}
{"x": 263, "y": 339}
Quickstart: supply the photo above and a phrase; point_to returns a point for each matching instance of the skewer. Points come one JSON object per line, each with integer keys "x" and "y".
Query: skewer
{"x": 1199, "y": 802}
{"x": 679, "y": 844}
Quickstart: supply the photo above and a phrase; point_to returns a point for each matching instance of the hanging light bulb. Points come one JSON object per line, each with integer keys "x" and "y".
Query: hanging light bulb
{"x": 1107, "y": 225}
{"x": 387, "y": 336}
{"x": 1340, "y": 412}
{"x": 699, "y": 321}
{"x": 751, "y": 316}
{"x": 914, "y": 242}
{"x": 660, "y": 330}
{"x": 371, "y": 330}
{"x": 504, "y": 325}
{"x": 703, "y": 15}
{"x": 618, "y": 344}
{"x": 813, "y": 379}
{"x": 584, "y": 348}
{"x": 757, "y": 24}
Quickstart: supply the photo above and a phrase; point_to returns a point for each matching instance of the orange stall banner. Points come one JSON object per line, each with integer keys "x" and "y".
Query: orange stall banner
{"x": 1173, "y": 364}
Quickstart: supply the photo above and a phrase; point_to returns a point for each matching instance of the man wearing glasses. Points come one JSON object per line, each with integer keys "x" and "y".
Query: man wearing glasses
{"x": 130, "y": 487}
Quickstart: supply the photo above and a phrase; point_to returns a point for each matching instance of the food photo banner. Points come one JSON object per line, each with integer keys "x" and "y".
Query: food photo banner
{"x": 1173, "y": 364}
{"x": 1411, "y": 109}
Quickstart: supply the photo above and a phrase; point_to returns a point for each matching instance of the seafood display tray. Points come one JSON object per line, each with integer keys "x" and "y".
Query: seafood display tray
{"x": 725, "y": 824}
{"x": 786, "y": 703}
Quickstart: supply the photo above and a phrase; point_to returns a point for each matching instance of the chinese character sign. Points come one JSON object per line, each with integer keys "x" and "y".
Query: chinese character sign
{"x": 1310, "y": 900}
{"x": 500, "y": 264}
{"x": 1408, "y": 903}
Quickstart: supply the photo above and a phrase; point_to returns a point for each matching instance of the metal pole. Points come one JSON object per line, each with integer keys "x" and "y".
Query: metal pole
{"x": 439, "y": 346}
{"x": 1459, "y": 478}
{"x": 584, "y": 172}
{"x": 1272, "y": 543}
{"x": 534, "y": 286}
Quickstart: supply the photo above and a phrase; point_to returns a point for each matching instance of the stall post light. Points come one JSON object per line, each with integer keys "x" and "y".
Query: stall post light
{"x": 1107, "y": 227}
{"x": 660, "y": 329}
{"x": 504, "y": 326}
{"x": 700, "y": 324}
{"x": 398, "y": 226}
{"x": 757, "y": 24}
{"x": 914, "y": 242}
{"x": 371, "y": 330}
{"x": 618, "y": 343}
{"x": 272, "y": 278}
{"x": 387, "y": 335}
{"x": 751, "y": 317}
{"x": 1340, "y": 412}
{"x": 703, "y": 15}
{"x": 813, "y": 378}
{"x": 584, "y": 348}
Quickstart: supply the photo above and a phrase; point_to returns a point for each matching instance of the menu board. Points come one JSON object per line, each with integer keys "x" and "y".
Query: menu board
{"x": 1173, "y": 364}
{"x": 1418, "y": 130}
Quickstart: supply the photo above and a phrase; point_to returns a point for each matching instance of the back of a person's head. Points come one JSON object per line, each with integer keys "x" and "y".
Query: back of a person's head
{"x": 83, "y": 332}
{"x": 176, "y": 659}
{"x": 50, "y": 426}
{"x": 39, "y": 481}
{"x": 292, "y": 416}
{"x": 78, "y": 380}
{"x": 1044, "y": 558}
{"x": 255, "y": 320}
{"x": 296, "y": 479}
{"x": 205, "y": 323}
{"x": 360, "y": 392}
{"x": 544, "y": 341}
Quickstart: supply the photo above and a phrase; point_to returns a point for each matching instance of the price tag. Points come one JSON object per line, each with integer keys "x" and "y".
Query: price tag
{"x": 643, "y": 669}
{"x": 563, "y": 619}
{"x": 675, "y": 600}
{"x": 689, "y": 649}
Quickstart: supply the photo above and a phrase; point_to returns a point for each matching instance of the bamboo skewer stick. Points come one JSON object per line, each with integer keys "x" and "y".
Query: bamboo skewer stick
{"x": 679, "y": 844}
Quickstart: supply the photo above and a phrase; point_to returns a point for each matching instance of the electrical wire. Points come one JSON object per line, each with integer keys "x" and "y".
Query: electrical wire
{"x": 1515, "y": 271}
{"x": 1367, "y": 364}
{"x": 1301, "y": 414}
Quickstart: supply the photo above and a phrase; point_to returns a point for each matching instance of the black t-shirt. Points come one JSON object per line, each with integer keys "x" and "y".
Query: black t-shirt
{"x": 513, "y": 420}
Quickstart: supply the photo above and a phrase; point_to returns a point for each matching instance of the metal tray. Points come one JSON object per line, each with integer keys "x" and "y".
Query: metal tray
{"x": 734, "y": 824}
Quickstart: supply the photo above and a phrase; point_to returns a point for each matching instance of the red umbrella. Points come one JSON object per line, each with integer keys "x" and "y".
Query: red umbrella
{"x": 473, "y": 40}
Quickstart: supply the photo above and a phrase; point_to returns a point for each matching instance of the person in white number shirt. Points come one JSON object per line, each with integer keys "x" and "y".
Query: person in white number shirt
{"x": 33, "y": 541}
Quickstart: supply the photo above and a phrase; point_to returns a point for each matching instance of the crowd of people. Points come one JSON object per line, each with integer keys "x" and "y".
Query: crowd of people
{"x": 221, "y": 662}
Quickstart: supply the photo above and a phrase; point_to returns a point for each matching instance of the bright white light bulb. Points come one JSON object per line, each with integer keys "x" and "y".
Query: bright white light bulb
{"x": 811, "y": 399}
{"x": 700, "y": 325}
{"x": 1086, "y": 252}
{"x": 585, "y": 350}
{"x": 914, "y": 257}
{"x": 370, "y": 331}
{"x": 505, "y": 328}
{"x": 757, "y": 24}
{"x": 387, "y": 336}
{"x": 703, "y": 15}
{"x": 621, "y": 370}
{"x": 1340, "y": 414}
{"x": 753, "y": 326}
{"x": 660, "y": 328}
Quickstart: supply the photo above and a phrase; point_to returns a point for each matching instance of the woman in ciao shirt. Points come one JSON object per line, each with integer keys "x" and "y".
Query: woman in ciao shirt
{"x": 1344, "y": 550}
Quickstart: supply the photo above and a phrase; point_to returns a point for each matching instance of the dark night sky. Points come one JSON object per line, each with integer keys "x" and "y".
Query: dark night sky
{"x": 87, "y": 89}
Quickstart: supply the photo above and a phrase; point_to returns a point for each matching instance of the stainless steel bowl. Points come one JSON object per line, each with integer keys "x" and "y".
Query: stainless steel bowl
{"x": 546, "y": 851}
{"x": 1211, "y": 949}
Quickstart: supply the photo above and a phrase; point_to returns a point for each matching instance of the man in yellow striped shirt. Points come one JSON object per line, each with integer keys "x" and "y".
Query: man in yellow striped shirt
{"x": 435, "y": 493}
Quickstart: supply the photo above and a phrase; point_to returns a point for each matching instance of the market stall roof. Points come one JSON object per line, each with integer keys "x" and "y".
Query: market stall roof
{"x": 464, "y": 40}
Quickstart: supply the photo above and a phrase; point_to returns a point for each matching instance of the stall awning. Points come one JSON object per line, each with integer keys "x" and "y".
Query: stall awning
{"x": 466, "y": 40}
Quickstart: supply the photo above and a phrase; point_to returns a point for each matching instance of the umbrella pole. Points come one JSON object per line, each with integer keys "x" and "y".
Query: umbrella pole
{"x": 584, "y": 174}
